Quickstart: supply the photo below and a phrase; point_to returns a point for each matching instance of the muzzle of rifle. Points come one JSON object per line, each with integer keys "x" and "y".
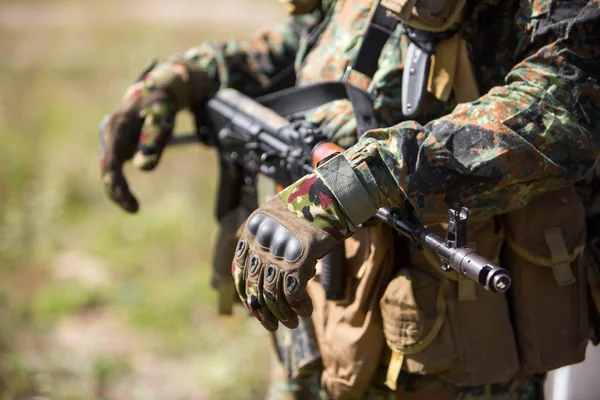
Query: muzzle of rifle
{"x": 476, "y": 267}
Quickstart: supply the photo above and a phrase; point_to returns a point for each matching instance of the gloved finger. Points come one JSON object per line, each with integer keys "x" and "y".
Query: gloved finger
{"x": 238, "y": 270}
{"x": 118, "y": 190}
{"x": 303, "y": 307}
{"x": 346, "y": 136}
{"x": 323, "y": 115}
{"x": 156, "y": 131}
{"x": 263, "y": 314}
{"x": 275, "y": 299}
{"x": 118, "y": 138}
{"x": 254, "y": 294}
{"x": 341, "y": 116}
{"x": 276, "y": 306}
{"x": 296, "y": 296}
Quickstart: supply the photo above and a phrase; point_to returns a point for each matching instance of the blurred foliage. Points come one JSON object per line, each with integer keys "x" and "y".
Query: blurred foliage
{"x": 95, "y": 303}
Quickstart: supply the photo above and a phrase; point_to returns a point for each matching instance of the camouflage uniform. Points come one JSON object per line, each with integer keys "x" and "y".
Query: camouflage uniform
{"x": 533, "y": 130}
{"x": 530, "y": 132}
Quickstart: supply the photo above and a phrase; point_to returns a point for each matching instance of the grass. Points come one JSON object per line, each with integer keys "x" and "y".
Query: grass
{"x": 95, "y": 303}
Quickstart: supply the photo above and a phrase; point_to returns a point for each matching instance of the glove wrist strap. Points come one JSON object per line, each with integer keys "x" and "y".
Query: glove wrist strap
{"x": 338, "y": 175}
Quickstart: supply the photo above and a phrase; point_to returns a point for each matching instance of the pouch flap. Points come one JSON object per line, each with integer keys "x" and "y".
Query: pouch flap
{"x": 550, "y": 231}
{"x": 413, "y": 310}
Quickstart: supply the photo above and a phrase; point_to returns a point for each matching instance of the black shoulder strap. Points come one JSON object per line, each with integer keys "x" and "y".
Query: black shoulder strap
{"x": 378, "y": 33}
{"x": 297, "y": 100}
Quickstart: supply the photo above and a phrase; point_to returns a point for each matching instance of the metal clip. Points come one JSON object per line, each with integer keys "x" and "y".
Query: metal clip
{"x": 347, "y": 73}
{"x": 346, "y": 76}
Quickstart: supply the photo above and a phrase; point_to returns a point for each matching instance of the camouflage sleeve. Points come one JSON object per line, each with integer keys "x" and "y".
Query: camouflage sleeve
{"x": 538, "y": 132}
{"x": 249, "y": 64}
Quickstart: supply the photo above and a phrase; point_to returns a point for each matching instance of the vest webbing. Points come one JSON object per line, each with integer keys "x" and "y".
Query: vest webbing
{"x": 295, "y": 100}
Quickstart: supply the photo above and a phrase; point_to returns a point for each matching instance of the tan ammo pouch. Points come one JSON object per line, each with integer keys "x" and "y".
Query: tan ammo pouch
{"x": 223, "y": 253}
{"x": 440, "y": 323}
{"x": 452, "y": 72}
{"x": 544, "y": 253}
{"x": 299, "y": 7}
{"x": 350, "y": 335}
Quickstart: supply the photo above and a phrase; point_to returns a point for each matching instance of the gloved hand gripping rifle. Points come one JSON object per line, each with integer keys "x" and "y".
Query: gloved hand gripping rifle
{"x": 253, "y": 140}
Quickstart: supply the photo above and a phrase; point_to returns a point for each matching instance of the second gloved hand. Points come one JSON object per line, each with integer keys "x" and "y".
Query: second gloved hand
{"x": 142, "y": 124}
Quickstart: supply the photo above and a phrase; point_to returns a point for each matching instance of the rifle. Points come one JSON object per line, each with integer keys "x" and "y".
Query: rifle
{"x": 253, "y": 140}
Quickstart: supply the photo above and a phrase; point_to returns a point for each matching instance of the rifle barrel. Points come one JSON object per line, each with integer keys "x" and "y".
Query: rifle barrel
{"x": 465, "y": 260}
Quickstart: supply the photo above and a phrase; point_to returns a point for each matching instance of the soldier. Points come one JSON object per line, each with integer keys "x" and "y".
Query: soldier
{"x": 493, "y": 105}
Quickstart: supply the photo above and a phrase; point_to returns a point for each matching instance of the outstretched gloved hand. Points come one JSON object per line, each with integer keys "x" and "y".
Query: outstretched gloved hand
{"x": 142, "y": 124}
{"x": 279, "y": 248}
{"x": 282, "y": 240}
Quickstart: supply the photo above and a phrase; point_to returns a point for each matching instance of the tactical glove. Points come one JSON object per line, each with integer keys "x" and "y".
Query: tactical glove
{"x": 282, "y": 241}
{"x": 143, "y": 123}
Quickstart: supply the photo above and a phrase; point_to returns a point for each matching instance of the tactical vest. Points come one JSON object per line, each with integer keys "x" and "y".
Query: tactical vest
{"x": 426, "y": 316}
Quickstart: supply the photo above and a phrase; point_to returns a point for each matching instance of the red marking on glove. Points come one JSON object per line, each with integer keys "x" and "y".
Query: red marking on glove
{"x": 135, "y": 94}
{"x": 302, "y": 189}
{"x": 325, "y": 200}
{"x": 334, "y": 232}
{"x": 255, "y": 313}
{"x": 103, "y": 164}
{"x": 296, "y": 304}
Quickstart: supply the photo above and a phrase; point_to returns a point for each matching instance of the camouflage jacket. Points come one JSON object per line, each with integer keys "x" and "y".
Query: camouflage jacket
{"x": 536, "y": 127}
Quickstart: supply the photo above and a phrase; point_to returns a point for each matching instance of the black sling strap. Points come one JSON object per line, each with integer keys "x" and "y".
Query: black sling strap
{"x": 378, "y": 32}
{"x": 301, "y": 99}
{"x": 286, "y": 78}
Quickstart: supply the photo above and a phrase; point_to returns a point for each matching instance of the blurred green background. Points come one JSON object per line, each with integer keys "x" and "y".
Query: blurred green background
{"x": 96, "y": 303}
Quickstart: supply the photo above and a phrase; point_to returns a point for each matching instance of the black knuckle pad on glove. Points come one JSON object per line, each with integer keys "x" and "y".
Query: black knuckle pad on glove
{"x": 270, "y": 274}
{"x": 255, "y": 222}
{"x": 291, "y": 284}
{"x": 253, "y": 265}
{"x": 240, "y": 248}
{"x": 270, "y": 278}
{"x": 278, "y": 239}
{"x": 241, "y": 252}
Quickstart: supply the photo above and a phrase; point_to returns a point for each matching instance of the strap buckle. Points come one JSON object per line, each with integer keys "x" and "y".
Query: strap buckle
{"x": 346, "y": 76}
{"x": 347, "y": 72}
